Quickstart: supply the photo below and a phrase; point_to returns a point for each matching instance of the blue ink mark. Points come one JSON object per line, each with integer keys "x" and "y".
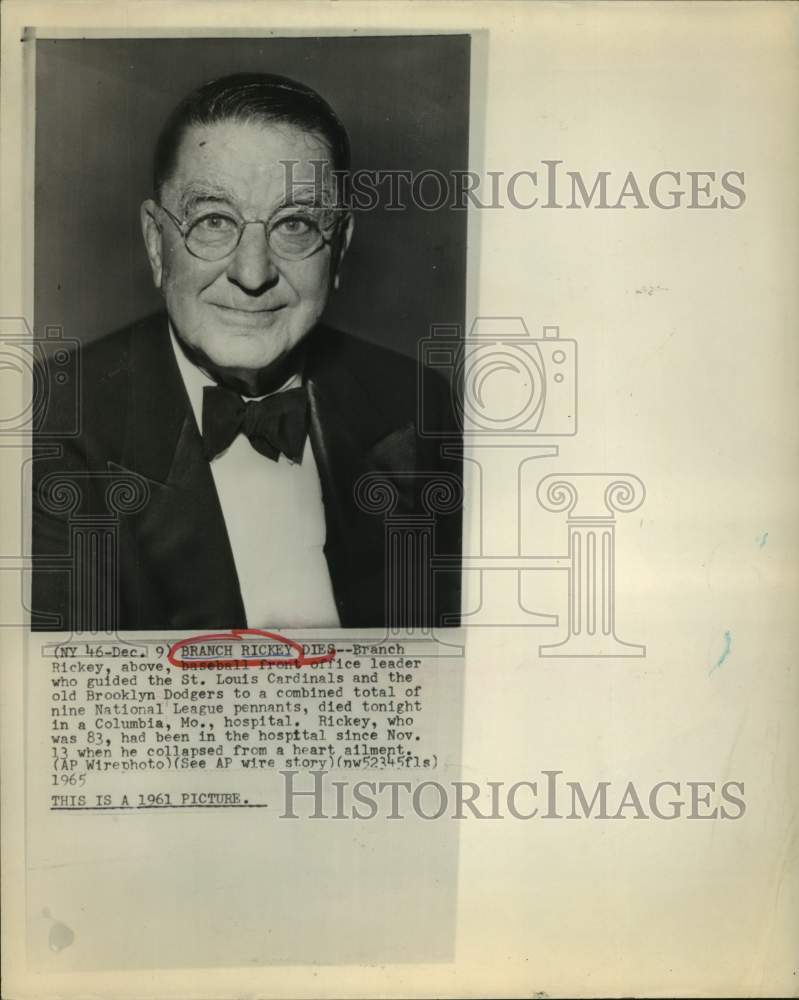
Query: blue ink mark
{"x": 725, "y": 652}
{"x": 761, "y": 541}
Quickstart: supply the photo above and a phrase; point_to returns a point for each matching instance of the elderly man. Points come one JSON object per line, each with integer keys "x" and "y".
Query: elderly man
{"x": 239, "y": 420}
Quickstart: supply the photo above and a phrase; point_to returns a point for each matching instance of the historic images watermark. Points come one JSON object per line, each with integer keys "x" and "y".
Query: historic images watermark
{"x": 550, "y": 185}
{"x": 313, "y": 795}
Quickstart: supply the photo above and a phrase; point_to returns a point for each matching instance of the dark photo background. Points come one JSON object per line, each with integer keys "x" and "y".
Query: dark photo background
{"x": 101, "y": 102}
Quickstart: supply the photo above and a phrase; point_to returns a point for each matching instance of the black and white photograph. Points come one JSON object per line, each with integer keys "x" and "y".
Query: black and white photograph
{"x": 233, "y": 322}
{"x": 398, "y": 507}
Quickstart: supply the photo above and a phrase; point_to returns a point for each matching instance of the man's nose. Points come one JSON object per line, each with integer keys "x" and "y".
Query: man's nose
{"x": 252, "y": 267}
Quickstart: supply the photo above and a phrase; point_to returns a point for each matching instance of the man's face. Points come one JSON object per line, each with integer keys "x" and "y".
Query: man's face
{"x": 250, "y": 308}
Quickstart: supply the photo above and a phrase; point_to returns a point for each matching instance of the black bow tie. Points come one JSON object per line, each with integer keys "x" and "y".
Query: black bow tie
{"x": 275, "y": 424}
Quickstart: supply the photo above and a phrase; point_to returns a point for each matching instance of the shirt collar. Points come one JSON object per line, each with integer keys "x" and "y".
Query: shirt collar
{"x": 196, "y": 379}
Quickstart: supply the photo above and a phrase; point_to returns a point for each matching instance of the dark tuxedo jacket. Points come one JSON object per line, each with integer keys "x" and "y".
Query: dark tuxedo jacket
{"x": 127, "y": 527}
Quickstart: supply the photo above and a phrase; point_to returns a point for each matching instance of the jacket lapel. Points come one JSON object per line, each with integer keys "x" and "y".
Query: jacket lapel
{"x": 182, "y": 543}
{"x": 184, "y": 563}
{"x": 351, "y": 437}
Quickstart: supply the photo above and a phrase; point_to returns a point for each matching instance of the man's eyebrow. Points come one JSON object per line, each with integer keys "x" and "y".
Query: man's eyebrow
{"x": 308, "y": 198}
{"x": 204, "y": 193}
{"x": 308, "y": 191}
{"x": 302, "y": 196}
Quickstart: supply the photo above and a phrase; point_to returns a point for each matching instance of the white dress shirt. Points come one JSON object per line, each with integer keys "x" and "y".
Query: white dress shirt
{"x": 275, "y": 522}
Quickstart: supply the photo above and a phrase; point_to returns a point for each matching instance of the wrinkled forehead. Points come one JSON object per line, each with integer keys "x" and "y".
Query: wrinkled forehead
{"x": 253, "y": 165}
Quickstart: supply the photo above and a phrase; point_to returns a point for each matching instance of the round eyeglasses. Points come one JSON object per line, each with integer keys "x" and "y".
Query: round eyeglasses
{"x": 293, "y": 233}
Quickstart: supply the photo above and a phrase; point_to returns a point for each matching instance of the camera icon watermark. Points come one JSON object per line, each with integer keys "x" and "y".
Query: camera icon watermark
{"x": 515, "y": 400}
{"x": 48, "y": 368}
{"x": 504, "y": 381}
{"x": 39, "y": 415}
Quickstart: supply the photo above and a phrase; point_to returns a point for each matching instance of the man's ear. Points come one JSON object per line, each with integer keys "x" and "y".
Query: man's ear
{"x": 151, "y": 232}
{"x": 344, "y": 241}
